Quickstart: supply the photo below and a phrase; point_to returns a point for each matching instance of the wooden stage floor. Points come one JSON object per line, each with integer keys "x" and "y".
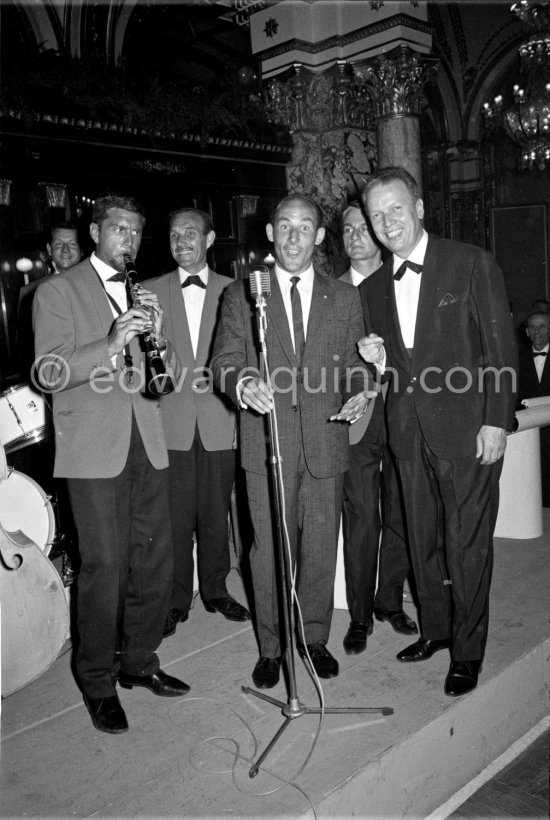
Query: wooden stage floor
{"x": 190, "y": 757}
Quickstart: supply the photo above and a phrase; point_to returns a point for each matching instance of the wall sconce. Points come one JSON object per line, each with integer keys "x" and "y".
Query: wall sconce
{"x": 247, "y": 204}
{"x": 55, "y": 194}
{"x": 5, "y": 191}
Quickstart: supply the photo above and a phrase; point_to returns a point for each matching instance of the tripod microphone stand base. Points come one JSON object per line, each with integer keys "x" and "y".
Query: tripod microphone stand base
{"x": 295, "y": 709}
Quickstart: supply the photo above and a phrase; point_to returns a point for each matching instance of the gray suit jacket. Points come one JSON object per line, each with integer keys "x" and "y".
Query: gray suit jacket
{"x": 195, "y": 400}
{"x": 332, "y": 371}
{"x": 92, "y": 407}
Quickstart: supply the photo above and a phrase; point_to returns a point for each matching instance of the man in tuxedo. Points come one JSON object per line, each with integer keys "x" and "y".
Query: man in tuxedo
{"x": 366, "y": 488}
{"x": 439, "y": 322}
{"x": 110, "y": 447}
{"x": 312, "y": 327}
{"x": 534, "y": 381}
{"x": 199, "y": 424}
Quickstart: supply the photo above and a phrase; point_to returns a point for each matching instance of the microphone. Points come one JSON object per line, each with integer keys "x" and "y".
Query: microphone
{"x": 260, "y": 283}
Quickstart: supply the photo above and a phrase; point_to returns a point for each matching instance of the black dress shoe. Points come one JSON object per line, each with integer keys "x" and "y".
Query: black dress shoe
{"x": 107, "y": 714}
{"x": 265, "y": 674}
{"x": 325, "y": 665}
{"x": 229, "y": 608}
{"x": 355, "y": 641}
{"x": 399, "y": 620}
{"x": 160, "y": 683}
{"x": 175, "y": 617}
{"x": 422, "y": 650}
{"x": 462, "y": 677}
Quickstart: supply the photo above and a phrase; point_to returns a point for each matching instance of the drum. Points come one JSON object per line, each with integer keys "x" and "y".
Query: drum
{"x": 22, "y": 417}
{"x": 25, "y": 508}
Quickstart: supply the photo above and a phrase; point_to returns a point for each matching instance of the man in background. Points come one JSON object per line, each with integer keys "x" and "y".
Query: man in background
{"x": 64, "y": 251}
{"x": 366, "y": 488}
{"x": 199, "y": 424}
{"x": 534, "y": 382}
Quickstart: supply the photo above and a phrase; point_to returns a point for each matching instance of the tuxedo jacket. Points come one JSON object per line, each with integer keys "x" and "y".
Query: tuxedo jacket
{"x": 195, "y": 401}
{"x": 464, "y": 360}
{"x": 92, "y": 408}
{"x": 331, "y": 372}
{"x": 529, "y": 385}
{"x": 373, "y": 419}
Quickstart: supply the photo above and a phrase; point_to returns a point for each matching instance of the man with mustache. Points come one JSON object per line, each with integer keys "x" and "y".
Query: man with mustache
{"x": 199, "y": 424}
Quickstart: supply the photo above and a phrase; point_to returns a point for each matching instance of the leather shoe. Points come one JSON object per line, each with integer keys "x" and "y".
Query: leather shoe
{"x": 175, "y": 617}
{"x": 462, "y": 677}
{"x": 159, "y": 684}
{"x": 325, "y": 665}
{"x": 422, "y": 650}
{"x": 265, "y": 674}
{"x": 107, "y": 714}
{"x": 229, "y": 608}
{"x": 399, "y": 620}
{"x": 355, "y": 641}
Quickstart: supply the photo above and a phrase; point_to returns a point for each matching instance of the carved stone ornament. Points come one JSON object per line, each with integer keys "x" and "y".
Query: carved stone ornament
{"x": 309, "y": 101}
{"x": 396, "y": 80}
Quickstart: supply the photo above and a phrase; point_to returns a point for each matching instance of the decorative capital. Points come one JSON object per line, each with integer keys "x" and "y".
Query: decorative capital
{"x": 310, "y": 101}
{"x": 396, "y": 81}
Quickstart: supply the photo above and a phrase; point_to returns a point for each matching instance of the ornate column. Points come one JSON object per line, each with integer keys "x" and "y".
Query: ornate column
{"x": 396, "y": 81}
{"x": 329, "y": 116}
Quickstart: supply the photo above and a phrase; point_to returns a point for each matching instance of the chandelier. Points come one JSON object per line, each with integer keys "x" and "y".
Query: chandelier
{"x": 527, "y": 119}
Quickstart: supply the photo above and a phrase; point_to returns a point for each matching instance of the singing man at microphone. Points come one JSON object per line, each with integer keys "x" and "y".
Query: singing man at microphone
{"x": 318, "y": 382}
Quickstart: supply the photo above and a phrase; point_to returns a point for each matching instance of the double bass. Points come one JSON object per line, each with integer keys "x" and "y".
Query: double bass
{"x": 34, "y": 613}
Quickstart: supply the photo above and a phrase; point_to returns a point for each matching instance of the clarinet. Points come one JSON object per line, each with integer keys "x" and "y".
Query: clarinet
{"x": 157, "y": 381}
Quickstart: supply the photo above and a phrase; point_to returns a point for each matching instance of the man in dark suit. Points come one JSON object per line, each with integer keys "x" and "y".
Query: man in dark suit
{"x": 312, "y": 327}
{"x": 110, "y": 447}
{"x": 534, "y": 382}
{"x": 445, "y": 333}
{"x": 366, "y": 488}
{"x": 199, "y": 424}
{"x": 64, "y": 252}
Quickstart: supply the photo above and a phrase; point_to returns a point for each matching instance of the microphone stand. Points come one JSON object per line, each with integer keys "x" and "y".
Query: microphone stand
{"x": 294, "y": 708}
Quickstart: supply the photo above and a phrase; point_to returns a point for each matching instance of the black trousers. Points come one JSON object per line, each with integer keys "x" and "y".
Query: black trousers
{"x": 126, "y": 573}
{"x": 459, "y": 498}
{"x": 200, "y": 496}
{"x": 373, "y": 542}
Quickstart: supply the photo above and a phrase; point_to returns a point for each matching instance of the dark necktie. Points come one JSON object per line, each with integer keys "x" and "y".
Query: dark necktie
{"x": 297, "y": 319}
{"x": 118, "y": 277}
{"x": 193, "y": 280}
{"x": 414, "y": 266}
{"x": 539, "y": 353}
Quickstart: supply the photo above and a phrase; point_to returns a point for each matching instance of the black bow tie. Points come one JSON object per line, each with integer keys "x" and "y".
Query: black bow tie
{"x": 193, "y": 280}
{"x": 539, "y": 353}
{"x": 414, "y": 266}
{"x": 118, "y": 277}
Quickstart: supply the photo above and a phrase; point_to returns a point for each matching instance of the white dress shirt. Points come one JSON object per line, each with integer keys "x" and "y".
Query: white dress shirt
{"x": 540, "y": 361}
{"x": 305, "y": 289}
{"x": 193, "y": 299}
{"x": 356, "y": 277}
{"x": 407, "y": 291}
{"x": 116, "y": 290}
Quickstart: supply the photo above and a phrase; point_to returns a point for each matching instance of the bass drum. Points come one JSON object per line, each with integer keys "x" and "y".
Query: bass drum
{"x": 25, "y": 509}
